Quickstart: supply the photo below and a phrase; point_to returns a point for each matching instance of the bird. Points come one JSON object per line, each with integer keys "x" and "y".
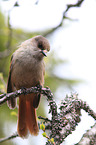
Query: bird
{"x": 27, "y": 70}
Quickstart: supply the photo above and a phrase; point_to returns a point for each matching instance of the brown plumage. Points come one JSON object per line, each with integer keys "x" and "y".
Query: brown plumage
{"x": 27, "y": 70}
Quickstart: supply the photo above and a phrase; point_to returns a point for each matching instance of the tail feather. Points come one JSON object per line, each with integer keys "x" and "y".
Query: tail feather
{"x": 31, "y": 118}
{"x": 27, "y": 119}
{"x": 22, "y": 127}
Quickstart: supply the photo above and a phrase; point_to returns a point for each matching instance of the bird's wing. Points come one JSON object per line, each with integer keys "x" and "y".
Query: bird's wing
{"x": 12, "y": 101}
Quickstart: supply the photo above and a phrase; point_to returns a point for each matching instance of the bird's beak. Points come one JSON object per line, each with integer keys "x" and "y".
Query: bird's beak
{"x": 44, "y": 52}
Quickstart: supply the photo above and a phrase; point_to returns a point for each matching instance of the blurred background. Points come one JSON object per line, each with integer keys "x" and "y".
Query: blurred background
{"x": 70, "y": 65}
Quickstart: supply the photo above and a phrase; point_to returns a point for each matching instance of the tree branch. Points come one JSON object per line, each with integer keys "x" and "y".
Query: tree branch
{"x": 5, "y": 97}
{"x": 45, "y": 119}
{"x": 89, "y": 138}
{"x": 78, "y": 4}
{"x": 10, "y": 137}
{"x": 61, "y": 124}
{"x": 69, "y": 6}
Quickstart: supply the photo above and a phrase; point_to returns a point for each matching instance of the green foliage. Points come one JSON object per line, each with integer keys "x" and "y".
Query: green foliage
{"x": 2, "y": 84}
{"x": 42, "y": 127}
{"x": 9, "y": 40}
{"x": 3, "y": 32}
{"x": 13, "y": 113}
{"x": 44, "y": 134}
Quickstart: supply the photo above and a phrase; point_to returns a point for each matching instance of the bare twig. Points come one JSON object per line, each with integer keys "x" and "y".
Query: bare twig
{"x": 45, "y": 119}
{"x": 78, "y": 4}
{"x": 5, "y": 97}
{"x": 10, "y": 32}
{"x": 69, "y": 6}
{"x": 9, "y": 137}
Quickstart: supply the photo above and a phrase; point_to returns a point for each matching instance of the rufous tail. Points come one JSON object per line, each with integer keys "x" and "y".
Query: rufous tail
{"x": 27, "y": 119}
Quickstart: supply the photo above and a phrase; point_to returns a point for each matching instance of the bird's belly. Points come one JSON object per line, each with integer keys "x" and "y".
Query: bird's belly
{"x": 27, "y": 77}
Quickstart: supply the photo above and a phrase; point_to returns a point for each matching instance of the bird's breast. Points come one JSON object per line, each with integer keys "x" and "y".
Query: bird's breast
{"x": 28, "y": 73}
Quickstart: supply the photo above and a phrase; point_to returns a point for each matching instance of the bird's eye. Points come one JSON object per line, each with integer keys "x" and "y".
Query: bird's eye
{"x": 40, "y": 46}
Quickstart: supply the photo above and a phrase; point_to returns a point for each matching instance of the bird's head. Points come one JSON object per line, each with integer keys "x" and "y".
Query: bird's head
{"x": 41, "y": 45}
